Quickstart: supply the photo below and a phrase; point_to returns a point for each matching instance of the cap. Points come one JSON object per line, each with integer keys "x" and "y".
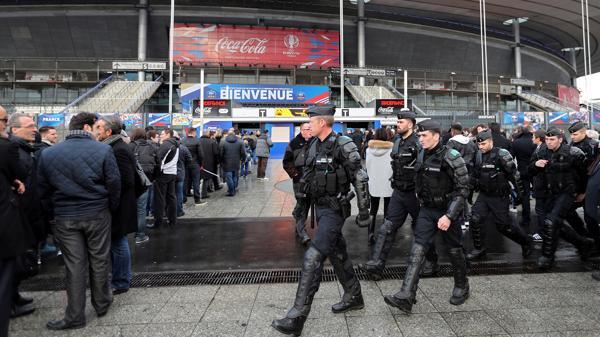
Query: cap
{"x": 484, "y": 135}
{"x": 576, "y": 126}
{"x": 553, "y": 132}
{"x": 407, "y": 114}
{"x": 429, "y": 125}
{"x": 321, "y": 110}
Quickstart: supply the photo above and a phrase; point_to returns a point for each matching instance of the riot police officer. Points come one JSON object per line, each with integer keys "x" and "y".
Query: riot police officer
{"x": 293, "y": 164}
{"x": 404, "y": 199}
{"x": 494, "y": 169}
{"x": 333, "y": 163}
{"x": 563, "y": 168}
{"x": 442, "y": 187}
{"x": 589, "y": 147}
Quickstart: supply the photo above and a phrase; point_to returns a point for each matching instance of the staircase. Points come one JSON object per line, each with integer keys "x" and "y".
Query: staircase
{"x": 118, "y": 97}
{"x": 543, "y": 103}
{"x": 366, "y": 95}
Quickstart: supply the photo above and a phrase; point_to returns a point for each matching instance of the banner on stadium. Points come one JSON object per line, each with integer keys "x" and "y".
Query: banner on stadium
{"x": 581, "y": 114}
{"x": 558, "y": 118}
{"x": 535, "y": 119}
{"x": 132, "y": 120}
{"x": 180, "y": 119}
{"x": 257, "y": 93}
{"x": 513, "y": 118}
{"x": 245, "y": 45}
{"x": 213, "y": 108}
{"x": 391, "y": 106}
{"x": 159, "y": 119}
{"x": 55, "y": 120}
{"x": 290, "y": 112}
{"x": 568, "y": 96}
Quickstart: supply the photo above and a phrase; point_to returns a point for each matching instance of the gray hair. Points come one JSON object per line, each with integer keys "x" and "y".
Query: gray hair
{"x": 113, "y": 123}
{"x": 592, "y": 134}
{"x": 14, "y": 120}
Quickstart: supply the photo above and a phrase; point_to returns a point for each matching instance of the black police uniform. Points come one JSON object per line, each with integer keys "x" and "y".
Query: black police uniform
{"x": 442, "y": 187}
{"x": 293, "y": 163}
{"x": 563, "y": 175}
{"x": 492, "y": 173}
{"x": 332, "y": 165}
{"x": 590, "y": 228}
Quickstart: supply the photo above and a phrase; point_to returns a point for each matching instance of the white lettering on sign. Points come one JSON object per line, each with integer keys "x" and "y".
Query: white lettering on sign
{"x": 383, "y": 110}
{"x": 249, "y": 46}
{"x": 262, "y": 94}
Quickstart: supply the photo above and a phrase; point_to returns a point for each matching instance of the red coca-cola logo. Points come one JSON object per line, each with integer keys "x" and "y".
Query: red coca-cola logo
{"x": 252, "y": 45}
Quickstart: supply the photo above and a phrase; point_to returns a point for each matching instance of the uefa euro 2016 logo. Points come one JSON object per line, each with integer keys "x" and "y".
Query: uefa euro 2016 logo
{"x": 292, "y": 42}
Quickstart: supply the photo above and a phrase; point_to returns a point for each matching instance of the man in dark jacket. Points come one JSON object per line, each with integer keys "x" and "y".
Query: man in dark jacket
{"x": 82, "y": 178}
{"x": 185, "y": 165}
{"x": 22, "y": 132}
{"x": 499, "y": 140}
{"x": 293, "y": 164}
{"x": 232, "y": 154}
{"x": 124, "y": 219}
{"x": 209, "y": 171}
{"x": 193, "y": 172}
{"x": 165, "y": 184}
{"x": 522, "y": 149}
{"x": 12, "y": 240}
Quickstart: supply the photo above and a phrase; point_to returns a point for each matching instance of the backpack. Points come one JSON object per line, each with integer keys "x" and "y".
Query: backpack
{"x": 251, "y": 143}
{"x": 146, "y": 156}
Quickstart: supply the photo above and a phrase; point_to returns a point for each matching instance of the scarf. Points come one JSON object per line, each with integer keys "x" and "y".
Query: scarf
{"x": 112, "y": 139}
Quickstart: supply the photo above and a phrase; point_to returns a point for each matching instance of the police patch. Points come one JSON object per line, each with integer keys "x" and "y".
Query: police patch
{"x": 454, "y": 153}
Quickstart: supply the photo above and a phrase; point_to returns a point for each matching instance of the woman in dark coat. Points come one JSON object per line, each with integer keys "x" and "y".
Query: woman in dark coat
{"x": 210, "y": 153}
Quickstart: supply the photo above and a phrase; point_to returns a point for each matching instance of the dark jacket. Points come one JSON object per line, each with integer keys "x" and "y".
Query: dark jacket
{"x": 12, "y": 234}
{"x": 263, "y": 146}
{"x": 592, "y": 192}
{"x": 522, "y": 149}
{"x": 167, "y": 152}
{"x": 295, "y": 157}
{"x": 193, "y": 144}
{"x": 210, "y": 156}
{"x": 501, "y": 141}
{"x": 124, "y": 218}
{"x": 30, "y": 200}
{"x": 185, "y": 162}
{"x": 232, "y": 153}
{"x": 80, "y": 175}
{"x": 146, "y": 153}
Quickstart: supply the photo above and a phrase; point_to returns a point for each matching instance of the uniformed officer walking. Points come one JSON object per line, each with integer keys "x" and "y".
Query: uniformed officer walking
{"x": 404, "y": 199}
{"x": 293, "y": 164}
{"x": 494, "y": 169}
{"x": 563, "y": 168}
{"x": 442, "y": 187}
{"x": 332, "y": 164}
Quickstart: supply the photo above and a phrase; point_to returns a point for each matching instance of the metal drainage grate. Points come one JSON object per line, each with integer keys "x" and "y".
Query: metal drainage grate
{"x": 173, "y": 279}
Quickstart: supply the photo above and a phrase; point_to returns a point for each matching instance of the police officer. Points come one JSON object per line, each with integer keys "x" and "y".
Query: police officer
{"x": 589, "y": 147}
{"x": 563, "y": 168}
{"x": 494, "y": 169}
{"x": 442, "y": 187}
{"x": 404, "y": 199}
{"x": 293, "y": 164}
{"x": 332, "y": 164}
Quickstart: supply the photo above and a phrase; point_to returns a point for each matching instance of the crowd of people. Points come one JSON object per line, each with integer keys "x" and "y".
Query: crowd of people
{"x": 83, "y": 196}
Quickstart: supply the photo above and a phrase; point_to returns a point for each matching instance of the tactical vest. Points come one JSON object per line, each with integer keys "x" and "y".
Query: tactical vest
{"x": 491, "y": 178}
{"x": 590, "y": 148}
{"x": 559, "y": 172}
{"x": 328, "y": 177}
{"x": 434, "y": 184}
{"x": 404, "y": 156}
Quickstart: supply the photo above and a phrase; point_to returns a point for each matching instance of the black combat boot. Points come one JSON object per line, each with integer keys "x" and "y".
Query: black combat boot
{"x": 301, "y": 232}
{"x": 371, "y": 230}
{"x": 478, "y": 251}
{"x": 430, "y": 267}
{"x": 385, "y": 240}
{"x": 584, "y": 244}
{"x": 460, "y": 293}
{"x": 293, "y": 322}
{"x": 550, "y": 236}
{"x": 518, "y": 236}
{"x": 342, "y": 266}
{"x": 406, "y": 297}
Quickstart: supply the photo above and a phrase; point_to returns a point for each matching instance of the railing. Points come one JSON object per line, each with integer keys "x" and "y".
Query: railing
{"x": 86, "y": 94}
{"x": 399, "y": 94}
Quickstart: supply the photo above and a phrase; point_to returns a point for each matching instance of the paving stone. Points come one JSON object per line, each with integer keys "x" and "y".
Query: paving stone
{"x": 472, "y": 323}
{"x": 423, "y": 325}
{"x": 145, "y": 296}
{"x": 520, "y": 320}
{"x": 219, "y": 329}
{"x": 181, "y": 312}
{"x": 237, "y": 292}
{"x": 229, "y": 310}
{"x": 373, "y": 326}
{"x": 168, "y": 330}
{"x": 131, "y": 314}
{"x": 281, "y": 291}
{"x": 494, "y": 299}
{"x": 194, "y": 294}
{"x": 568, "y": 318}
{"x": 441, "y": 302}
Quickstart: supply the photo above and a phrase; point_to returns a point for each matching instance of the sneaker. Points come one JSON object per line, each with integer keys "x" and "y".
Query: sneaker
{"x": 200, "y": 202}
{"x": 141, "y": 239}
{"x": 266, "y": 179}
{"x": 464, "y": 226}
{"x": 537, "y": 238}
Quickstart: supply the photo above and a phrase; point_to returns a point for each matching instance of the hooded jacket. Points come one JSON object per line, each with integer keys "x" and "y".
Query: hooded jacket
{"x": 232, "y": 153}
{"x": 379, "y": 168}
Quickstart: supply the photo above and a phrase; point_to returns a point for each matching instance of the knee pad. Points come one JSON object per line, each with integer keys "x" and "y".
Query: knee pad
{"x": 475, "y": 219}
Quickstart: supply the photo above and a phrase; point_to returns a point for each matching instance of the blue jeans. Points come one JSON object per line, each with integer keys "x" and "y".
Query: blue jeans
{"x": 254, "y": 156}
{"x": 121, "y": 263}
{"x": 232, "y": 181}
{"x": 142, "y": 205}
{"x": 244, "y": 169}
{"x": 179, "y": 193}
{"x": 150, "y": 203}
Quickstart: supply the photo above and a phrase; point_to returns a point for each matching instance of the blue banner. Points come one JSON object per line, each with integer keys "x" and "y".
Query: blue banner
{"x": 558, "y": 118}
{"x": 513, "y": 118}
{"x": 55, "y": 120}
{"x": 159, "y": 119}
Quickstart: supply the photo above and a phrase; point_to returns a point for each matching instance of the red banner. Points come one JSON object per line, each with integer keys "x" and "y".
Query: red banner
{"x": 568, "y": 96}
{"x": 244, "y": 45}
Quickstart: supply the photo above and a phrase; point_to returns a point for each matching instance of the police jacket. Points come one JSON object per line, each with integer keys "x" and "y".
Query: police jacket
{"x": 442, "y": 180}
{"x": 589, "y": 147}
{"x": 295, "y": 157}
{"x": 404, "y": 156}
{"x": 494, "y": 170}
{"x": 565, "y": 171}
{"x": 331, "y": 166}
{"x": 466, "y": 147}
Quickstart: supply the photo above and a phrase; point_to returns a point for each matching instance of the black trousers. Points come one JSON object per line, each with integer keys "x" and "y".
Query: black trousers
{"x": 164, "y": 196}
{"x": 375, "y": 205}
{"x": 426, "y": 228}
{"x": 526, "y": 213}
{"x": 7, "y": 267}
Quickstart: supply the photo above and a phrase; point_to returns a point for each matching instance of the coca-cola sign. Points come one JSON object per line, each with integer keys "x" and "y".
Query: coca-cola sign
{"x": 255, "y": 46}
{"x": 391, "y": 106}
{"x": 212, "y": 108}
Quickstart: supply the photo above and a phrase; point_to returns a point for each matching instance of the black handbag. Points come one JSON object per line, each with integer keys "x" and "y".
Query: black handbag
{"x": 142, "y": 183}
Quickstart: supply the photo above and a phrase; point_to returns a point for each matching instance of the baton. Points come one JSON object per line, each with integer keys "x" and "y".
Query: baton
{"x": 207, "y": 171}
{"x": 312, "y": 215}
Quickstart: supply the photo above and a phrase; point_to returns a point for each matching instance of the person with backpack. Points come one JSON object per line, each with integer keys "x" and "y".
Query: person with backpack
{"x": 165, "y": 180}
{"x": 263, "y": 151}
{"x": 146, "y": 154}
